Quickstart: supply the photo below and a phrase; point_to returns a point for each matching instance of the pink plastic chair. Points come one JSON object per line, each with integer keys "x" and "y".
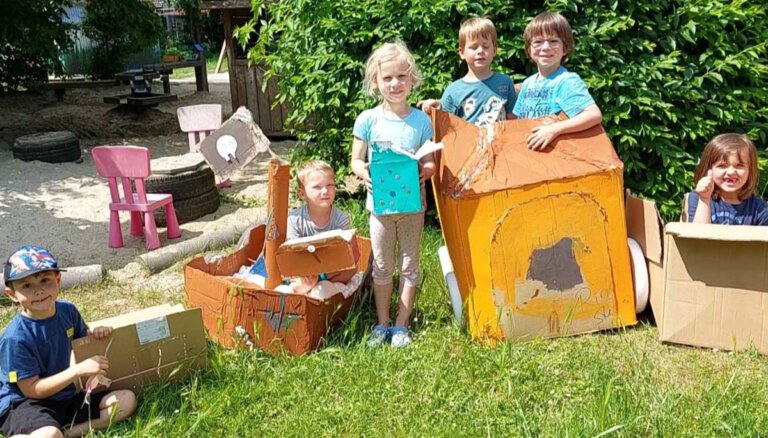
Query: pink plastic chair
{"x": 131, "y": 165}
{"x": 198, "y": 121}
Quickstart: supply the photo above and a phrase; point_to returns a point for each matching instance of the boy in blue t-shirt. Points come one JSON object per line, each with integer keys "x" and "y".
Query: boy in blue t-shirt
{"x": 482, "y": 96}
{"x": 37, "y": 391}
{"x": 549, "y": 40}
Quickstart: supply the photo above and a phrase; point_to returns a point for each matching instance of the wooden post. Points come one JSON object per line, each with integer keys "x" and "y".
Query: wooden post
{"x": 221, "y": 56}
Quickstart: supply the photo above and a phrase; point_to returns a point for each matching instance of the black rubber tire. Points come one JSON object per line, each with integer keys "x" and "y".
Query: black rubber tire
{"x": 51, "y": 147}
{"x": 184, "y": 185}
{"x": 191, "y": 208}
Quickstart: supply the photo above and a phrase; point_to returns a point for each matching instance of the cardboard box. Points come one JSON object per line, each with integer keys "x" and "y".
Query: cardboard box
{"x": 394, "y": 181}
{"x": 323, "y": 253}
{"x": 538, "y": 240}
{"x": 148, "y": 346}
{"x": 715, "y": 286}
{"x": 273, "y": 321}
{"x": 234, "y": 144}
{"x": 644, "y": 224}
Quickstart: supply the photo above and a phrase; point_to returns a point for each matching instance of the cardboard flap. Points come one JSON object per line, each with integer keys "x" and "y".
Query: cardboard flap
{"x": 484, "y": 159}
{"x": 737, "y": 233}
{"x": 330, "y": 251}
{"x": 645, "y": 226}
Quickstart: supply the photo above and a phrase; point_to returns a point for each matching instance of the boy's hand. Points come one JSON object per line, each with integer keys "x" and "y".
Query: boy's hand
{"x": 542, "y": 135}
{"x": 705, "y": 187}
{"x": 92, "y": 366}
{"x": 428, "y": 105}
{"x": 101, "y": 332}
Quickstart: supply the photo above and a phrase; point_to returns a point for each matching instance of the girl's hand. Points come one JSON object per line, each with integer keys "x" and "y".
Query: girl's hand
{"x": 426, "y": 171}
{"x": 542, "y": 135}
{"x": 365, "y": 175}
{"x": 101, "y": 332}
{"x": 705, "y": 187}
{"x": 428, "y": 105}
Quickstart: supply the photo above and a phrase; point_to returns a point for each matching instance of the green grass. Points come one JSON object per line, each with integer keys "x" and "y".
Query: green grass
{"x": 618, "y": 383}
{"x": 188, "y": 72}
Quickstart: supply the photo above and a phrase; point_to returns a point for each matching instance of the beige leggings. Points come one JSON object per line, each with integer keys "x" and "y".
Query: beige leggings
{"x": 403, "y": 230}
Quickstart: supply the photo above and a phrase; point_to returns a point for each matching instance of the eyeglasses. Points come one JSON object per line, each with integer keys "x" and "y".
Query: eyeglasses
{"x": 553, "y": 42}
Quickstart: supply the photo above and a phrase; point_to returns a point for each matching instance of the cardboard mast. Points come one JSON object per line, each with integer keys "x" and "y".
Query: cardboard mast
{"x": 279, "y": 177}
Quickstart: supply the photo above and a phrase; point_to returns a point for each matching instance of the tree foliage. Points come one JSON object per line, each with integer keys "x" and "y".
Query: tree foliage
{"x": 32, "y": 35}
{"x": 668, "y": 74}
{"x": 119, "y": 28}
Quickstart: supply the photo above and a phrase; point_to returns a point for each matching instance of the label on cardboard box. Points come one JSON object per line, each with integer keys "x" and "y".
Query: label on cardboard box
{"x": 153, "y": 330}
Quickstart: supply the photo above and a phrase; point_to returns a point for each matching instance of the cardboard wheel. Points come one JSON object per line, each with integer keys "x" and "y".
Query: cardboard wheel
{"x": 639, "y": 276}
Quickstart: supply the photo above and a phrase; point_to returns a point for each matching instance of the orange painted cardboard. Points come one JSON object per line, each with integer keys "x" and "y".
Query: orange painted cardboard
{"x": 332, "y": 251}
{"x": 538, "y": 240}
{"x": 715, "y": 286}
{"x": 148, "y": 346}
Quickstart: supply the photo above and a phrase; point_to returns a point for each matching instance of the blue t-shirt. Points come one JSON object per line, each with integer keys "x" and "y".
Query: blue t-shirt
{"x": 30, "y": 347}
{"x": 751, "y": 211}
{"x": 480, "y": 102}
{"x": 378, "y": 129}
{"x": 545, "y": 96}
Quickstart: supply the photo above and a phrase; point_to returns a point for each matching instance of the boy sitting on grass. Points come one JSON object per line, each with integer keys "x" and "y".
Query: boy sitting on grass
{"x": 37, "y": 392}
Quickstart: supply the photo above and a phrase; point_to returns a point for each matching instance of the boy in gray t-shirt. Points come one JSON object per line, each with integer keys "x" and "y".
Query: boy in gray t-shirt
{"x": 317, "y": 187}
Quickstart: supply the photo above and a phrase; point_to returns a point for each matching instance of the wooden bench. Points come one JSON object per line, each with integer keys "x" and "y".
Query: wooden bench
{"x": 60, "y": 87}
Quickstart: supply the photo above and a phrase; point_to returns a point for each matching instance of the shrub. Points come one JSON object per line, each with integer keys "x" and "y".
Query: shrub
{"x": 119, "y": 28}
{"x": 668, "y": 74}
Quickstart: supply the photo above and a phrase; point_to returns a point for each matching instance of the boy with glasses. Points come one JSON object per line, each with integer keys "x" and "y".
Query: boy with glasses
{"x": 548, "y": 42}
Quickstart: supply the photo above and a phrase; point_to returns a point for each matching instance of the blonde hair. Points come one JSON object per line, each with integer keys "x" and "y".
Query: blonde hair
{"x": 308, "y": 167}
{"x": 396, "y": 50}
{"x": 549, "y": 23}
{"x": 477, "y": 27}
{"x": 719, "y": 148}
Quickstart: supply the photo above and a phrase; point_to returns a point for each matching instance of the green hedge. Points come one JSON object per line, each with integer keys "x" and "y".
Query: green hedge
{"x": 668, "y": 75}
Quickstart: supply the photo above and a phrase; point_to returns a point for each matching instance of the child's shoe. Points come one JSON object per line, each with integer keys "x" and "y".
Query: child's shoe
{"x": 401, "y": 337}
{"x": 379, "y": 336}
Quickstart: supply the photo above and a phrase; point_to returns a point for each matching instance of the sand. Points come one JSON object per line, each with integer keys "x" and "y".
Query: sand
{"x": 64, "y": 207}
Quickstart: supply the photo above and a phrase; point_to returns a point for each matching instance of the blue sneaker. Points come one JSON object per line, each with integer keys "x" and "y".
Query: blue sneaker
{"x": 401, "y": 337}
{"x": 379, "y": 336}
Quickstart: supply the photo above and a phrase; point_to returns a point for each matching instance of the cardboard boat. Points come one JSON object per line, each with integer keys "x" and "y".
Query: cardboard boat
{"x": 538, "y": 239}
{"x": 238, "y": 313}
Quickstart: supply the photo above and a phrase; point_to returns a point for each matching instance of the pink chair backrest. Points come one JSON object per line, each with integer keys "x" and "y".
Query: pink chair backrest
{"x": 126, "y": 163}
{"x": 198, "y": 121}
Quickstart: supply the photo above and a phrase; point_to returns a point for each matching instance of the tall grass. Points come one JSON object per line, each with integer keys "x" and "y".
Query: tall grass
{"x": 618, "y": 383}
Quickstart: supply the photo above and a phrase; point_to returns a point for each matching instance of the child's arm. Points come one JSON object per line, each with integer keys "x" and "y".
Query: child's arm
{"x": 704, "y": 189}
{"x": 427, "y": 105}
{"x": 37, "y": 388}
{"x": 427, "y": 167}
{"x": 359, "y": 166}
{"x": 544, "y": 134}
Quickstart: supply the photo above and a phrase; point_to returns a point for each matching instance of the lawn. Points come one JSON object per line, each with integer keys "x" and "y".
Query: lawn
{"x": 188, "y": 72}
{"x": 621, "y": 382}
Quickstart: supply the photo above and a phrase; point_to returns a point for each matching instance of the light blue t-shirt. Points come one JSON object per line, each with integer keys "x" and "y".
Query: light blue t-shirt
{"x": 545, "y": 96}
{"x": 373, "y": 126}
{"x": 480, "y": 102}
{"x": 30, "y": 347}
{"x": 751, "y": 211}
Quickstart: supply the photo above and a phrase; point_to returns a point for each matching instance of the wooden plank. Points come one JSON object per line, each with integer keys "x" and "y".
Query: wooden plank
{"x": 275, "y": 114}
{"x": 239, "y": 97}
{"x": 257, "y": 98}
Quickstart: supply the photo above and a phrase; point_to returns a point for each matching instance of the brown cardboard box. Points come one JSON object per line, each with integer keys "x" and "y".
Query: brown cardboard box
{"x": 644, "y": 225}
{"x": 715, "y": 286}
{"x": 331, "y": 251}
{"x": 148, "y": 346}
